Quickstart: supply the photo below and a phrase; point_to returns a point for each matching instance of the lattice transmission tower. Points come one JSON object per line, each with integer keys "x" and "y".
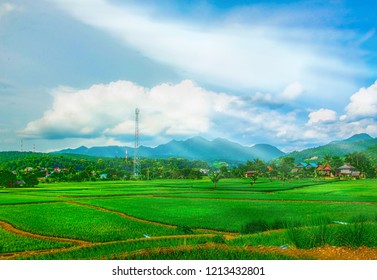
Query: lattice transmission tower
{"x": 136, "y": 148}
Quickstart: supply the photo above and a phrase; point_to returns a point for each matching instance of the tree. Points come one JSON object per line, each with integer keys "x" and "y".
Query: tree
{"x": 254, "y": 178}
{"x": 259, "y": 166}
{"x": 326, "y": 158}
{"x": 7, "y": 178}
{"x": 285, "y": 167}
{"x": 360, "y": 161}
{"x": 224, "y": 171}
{"x": 30, "y": 179}
{"x": 336, "y": 162}
{"x": 215, "y": 178}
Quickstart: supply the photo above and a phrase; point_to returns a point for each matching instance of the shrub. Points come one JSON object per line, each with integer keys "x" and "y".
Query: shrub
{"x": 255, "y": 226}
{"x": 315, "y": 234}
{"x": 306, "y": 238}
{"x": 262, "y": 225}
{"x": 354, "y": 235}
{"x": 219, "y": 239}
{"x": 185, "y": 230}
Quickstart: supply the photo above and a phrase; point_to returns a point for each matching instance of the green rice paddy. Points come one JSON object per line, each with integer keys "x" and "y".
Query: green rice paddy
{"x": 116, "y": 220}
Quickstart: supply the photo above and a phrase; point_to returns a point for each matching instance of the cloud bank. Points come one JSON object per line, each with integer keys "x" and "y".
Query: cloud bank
{"x": 107, "y": 112}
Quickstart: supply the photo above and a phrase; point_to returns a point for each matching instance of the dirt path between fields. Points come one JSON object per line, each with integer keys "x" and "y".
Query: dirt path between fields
{"x": 321, "y": 253}
{"x": 26, "y": 254}
{"x": 226, "y": 233}
{"x": 9, "y": 227}
{"x": 120, "y": 214}
{"x": 265, "y": 200}
{"x": 326, "y": 252}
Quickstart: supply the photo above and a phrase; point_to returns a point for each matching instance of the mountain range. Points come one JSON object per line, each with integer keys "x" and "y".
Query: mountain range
{"x": 196, "y": 148}
{"x": 199, "y": 148}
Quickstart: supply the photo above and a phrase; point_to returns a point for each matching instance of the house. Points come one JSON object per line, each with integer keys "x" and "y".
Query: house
{"x": 301, "y": 165}
{"x": 249, "y": 174}
{"x": 311, "y": 165}
{"x": 325, "y": 170}
{"x": 295, "y": 170}
{"x": 345, "y": 170}
{"x": 305, "y": 165}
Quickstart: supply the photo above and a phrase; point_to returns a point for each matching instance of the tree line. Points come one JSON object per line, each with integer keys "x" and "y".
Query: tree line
{"x": 28, "y": 169}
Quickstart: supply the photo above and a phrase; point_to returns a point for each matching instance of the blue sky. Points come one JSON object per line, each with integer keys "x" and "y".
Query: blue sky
{"x": 294, "y": 74}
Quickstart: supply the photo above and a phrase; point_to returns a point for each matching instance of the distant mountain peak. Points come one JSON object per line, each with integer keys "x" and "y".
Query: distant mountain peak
{"x": 358, "y": 137}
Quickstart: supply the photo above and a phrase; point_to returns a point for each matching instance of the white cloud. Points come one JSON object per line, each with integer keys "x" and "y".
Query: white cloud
{"x": 363, "y": 103}
{"x": 322, "y": 115}
{"x": 104, "y": 113}
{"x": 6, "y": 8}
{"x": 230, "y": 53}
{"x": 292, "y": 91}
{"x": 108, "y": 110}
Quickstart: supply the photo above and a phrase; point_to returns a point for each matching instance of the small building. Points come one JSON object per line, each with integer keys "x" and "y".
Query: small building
{"x": 325, "y": 170}
{"x": 301, "y": 165}
{"x": 345, "y": 170}
{"x": 249, "y": 174}
{"x": 294, "y": 170}
{"x": 311, "y": 165}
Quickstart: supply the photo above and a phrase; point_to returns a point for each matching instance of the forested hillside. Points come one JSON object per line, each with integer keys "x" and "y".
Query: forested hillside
{"x": 357, "y": 143}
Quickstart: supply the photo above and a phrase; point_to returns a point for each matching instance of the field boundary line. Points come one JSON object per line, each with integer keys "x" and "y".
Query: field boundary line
{"x": 10, "y": 228}
{"x": 146, "y": 221}
{"x": 326, "y": 252}
{"x": 120, "y": 214}
{"x": 30, "y": 203}
{"x": 268, "y": 200}
{"x": 12, "y": 255}
{"x": 219, "y": 199}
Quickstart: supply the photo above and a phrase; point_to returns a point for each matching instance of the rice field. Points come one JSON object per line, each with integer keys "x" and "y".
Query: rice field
{"x": 188, "y": 219}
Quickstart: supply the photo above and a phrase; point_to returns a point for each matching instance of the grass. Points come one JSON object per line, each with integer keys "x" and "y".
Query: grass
{"x": 301, "y": 214}
{"x": 358, "y": 233}
{"x": 10, "y": 242}
{"x": 212, "y": 252}
{"x": 22, "y": 198}
{"x": 228, "y": 215}
{"x": 119, "y": 250}
{"x": 77, "y": 222}
{"x": 267, "y": 239}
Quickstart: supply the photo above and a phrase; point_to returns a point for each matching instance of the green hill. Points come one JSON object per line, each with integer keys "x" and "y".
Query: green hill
{"x": 357, "y": 143}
